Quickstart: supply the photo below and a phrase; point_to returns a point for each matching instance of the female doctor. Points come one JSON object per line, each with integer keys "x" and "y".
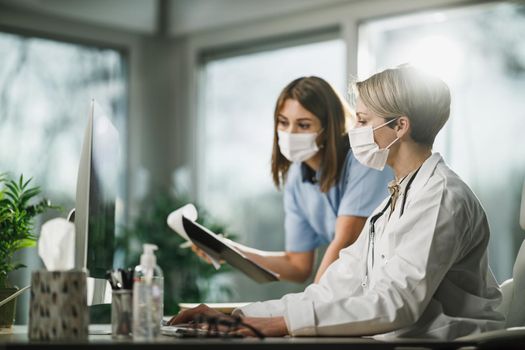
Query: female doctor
{"x": 328, "y": 194}
{"x": 420, "y": 268}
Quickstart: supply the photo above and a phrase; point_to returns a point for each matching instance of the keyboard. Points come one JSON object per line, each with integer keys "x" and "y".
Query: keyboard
{"x": 189, "y": 331}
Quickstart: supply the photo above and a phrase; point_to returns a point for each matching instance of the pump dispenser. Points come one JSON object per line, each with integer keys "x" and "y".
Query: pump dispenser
{"x": 148, "y": 260}
{"x": 148, "y": 295}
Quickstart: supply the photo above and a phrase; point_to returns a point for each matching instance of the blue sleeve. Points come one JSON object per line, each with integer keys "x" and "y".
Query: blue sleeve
{"x": 300, "y": 236}
{"x": 364, "y": 188}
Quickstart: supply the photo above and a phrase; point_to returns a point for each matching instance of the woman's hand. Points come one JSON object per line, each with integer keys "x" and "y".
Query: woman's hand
{"x": 268, "y": 326}
{"x": 202, "y": 254}
{"x": 189, "y": 315}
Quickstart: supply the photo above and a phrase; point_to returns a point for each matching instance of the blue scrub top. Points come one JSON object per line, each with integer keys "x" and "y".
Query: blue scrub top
{"x": 310, "y": 214}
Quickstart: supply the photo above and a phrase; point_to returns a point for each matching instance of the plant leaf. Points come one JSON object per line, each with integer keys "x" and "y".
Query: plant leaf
{"x": 26, "y": 183}
{"x": 25, "y": 243}
{"x": 16, "y": 219}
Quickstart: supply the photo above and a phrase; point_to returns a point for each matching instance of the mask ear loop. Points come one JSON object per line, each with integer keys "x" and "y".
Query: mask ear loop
{"x": 391, "y": 143}
{"x": 386, "y": 123}
{"x": 319, "y": 134}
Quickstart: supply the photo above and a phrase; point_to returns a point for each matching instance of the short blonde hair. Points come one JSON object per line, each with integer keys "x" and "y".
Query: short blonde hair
{"x": 406, "y": 91}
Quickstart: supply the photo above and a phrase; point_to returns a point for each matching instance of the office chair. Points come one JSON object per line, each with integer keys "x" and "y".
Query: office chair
{"x": 513, "y": 290}
{"x": 512, "y": 305}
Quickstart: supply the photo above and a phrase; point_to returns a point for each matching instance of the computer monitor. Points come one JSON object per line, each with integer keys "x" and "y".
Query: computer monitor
{"x": 95, "y": 203}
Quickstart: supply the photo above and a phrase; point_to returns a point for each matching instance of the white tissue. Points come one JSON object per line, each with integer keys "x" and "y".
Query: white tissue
{"x": 56, "y": 245}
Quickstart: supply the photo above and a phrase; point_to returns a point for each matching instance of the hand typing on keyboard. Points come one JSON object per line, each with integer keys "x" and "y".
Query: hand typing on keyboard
{"x": 189, "y": 315}
{"x": 213, "y": 323}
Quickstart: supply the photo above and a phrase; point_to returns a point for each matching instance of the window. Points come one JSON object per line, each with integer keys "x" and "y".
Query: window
{"x": 45, "y": 92}
{"x": 239, "y": 94}
{"x": 479, "y": 52}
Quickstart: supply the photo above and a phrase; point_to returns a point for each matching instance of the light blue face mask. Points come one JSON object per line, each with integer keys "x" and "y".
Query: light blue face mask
{"x": 366, "y": 150}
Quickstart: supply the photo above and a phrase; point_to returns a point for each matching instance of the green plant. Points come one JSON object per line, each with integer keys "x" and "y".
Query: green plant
{"x": 17, "y": 211}
{"x": 186, "y": 277}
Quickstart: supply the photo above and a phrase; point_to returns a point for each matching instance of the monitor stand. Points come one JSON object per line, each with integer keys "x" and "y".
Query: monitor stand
{"x": 98, "y": 289}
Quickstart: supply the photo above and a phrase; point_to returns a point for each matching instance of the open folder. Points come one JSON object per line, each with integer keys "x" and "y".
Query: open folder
{"x": 218, "y": 248}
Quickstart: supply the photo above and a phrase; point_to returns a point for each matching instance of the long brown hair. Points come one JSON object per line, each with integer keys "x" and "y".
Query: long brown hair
{"x": 319, "y": 98}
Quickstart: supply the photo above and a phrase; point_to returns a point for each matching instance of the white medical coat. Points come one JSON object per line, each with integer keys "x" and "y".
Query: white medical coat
{"x": 430, "y": 276}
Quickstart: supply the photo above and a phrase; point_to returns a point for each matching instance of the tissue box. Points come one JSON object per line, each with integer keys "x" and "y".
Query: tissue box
{"x": 58, "y": 306}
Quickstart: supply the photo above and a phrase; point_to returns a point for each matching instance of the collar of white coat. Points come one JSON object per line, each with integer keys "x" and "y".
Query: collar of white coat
{"x": 422, "y": 177}
{"x": 425, "y": 172}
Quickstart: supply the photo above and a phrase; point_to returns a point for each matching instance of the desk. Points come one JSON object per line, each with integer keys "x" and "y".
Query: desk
{"x": 19, "y": 340}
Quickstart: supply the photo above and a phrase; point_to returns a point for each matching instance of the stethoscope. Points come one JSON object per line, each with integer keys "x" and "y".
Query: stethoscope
{"x": 373, "y": 219}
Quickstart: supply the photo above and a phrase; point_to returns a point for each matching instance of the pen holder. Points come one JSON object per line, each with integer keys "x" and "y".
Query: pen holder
{"x": 58, "y": 305}
{"x": 121, "y": 313}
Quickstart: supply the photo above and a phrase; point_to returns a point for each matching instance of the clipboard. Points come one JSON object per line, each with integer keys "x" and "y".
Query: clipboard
{"x": 216, "y": 247}
{"x": 219, "y": 249}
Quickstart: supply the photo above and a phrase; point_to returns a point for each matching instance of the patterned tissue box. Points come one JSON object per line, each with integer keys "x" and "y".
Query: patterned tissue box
{"x": 58, "y": 306}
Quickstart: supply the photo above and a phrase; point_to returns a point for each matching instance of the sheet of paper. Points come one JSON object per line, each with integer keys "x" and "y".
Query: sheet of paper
{"x": 175, "y": 222}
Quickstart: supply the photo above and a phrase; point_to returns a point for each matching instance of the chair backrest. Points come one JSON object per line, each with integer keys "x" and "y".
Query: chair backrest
{"x": 507, "y": 289}
{"x": 522, "y": 211}
{"x": 516, "y": 307}
{"x": 513, "y": 290}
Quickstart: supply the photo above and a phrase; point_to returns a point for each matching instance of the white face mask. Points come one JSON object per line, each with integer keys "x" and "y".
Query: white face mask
{"x": 297, "y": 147}
{"x": 365, "y": 150}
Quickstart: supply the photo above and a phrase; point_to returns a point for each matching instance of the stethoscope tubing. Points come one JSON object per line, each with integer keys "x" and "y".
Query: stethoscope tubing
{"x": 373, "y": 219}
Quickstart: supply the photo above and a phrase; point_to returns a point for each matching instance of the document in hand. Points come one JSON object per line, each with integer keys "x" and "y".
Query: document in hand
{"x": 183, "y": 222}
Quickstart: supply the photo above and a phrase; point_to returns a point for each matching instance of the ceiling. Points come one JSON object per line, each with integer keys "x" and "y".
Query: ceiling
{"x": 184, "y": 16}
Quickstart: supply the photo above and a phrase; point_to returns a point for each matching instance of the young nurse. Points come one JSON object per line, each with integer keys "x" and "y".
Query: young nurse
{"x": 420, "y": 266}
{"x": 328, "y": 194}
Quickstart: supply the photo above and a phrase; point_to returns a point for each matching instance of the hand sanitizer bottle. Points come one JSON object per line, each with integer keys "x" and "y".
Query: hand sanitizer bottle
{"x": 148, "y": 296}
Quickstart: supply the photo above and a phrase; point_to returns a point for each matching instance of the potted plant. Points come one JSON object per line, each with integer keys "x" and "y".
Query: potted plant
{"x": 17, "y": 211}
